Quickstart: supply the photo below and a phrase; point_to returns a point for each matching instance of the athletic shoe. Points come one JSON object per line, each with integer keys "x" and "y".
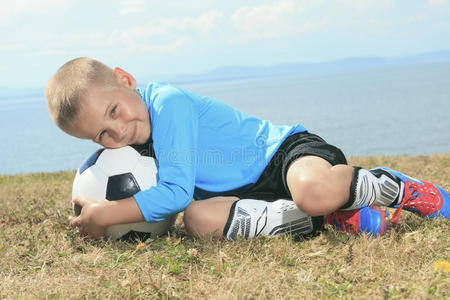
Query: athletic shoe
{"x": 370, "y": 220}
{"x": 423, "y": 198}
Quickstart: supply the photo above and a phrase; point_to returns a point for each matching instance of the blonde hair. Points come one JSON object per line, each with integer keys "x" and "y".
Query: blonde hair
{"x": 70, "y": 83}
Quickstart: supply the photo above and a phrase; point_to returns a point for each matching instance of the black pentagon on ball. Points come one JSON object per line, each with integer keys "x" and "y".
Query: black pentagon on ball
{"x": 135, "y": 236}
{"x": 91, "y": 160}
{"x": 121, "y": 186}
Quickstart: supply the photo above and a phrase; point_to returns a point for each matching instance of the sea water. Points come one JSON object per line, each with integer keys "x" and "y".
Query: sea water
{"x": 390, "y": 111}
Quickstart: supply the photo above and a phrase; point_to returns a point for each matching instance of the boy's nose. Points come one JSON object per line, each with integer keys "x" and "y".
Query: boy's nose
{"x": 119, "y": 132}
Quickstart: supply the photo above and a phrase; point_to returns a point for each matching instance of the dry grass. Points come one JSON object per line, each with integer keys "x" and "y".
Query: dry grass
{"x": 40, "y": 257}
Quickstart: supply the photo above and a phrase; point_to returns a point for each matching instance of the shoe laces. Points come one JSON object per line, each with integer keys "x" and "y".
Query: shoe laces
{"x": 422, "y": 198}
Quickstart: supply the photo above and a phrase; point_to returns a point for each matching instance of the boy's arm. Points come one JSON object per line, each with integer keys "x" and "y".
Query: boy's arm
{"x": 96, "y": 216}
{"x": 175, "y": 138}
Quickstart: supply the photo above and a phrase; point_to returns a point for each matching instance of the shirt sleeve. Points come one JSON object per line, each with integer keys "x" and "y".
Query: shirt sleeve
{"x": 175, "y": 135}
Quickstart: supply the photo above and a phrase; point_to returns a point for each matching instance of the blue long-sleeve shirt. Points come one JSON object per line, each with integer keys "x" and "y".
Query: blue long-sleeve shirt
{"x": 202, "y": 145}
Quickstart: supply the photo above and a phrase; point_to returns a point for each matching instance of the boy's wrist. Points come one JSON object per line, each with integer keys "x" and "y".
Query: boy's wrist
{"x": 119, "y": 212}
{"x": 102, "y": 215}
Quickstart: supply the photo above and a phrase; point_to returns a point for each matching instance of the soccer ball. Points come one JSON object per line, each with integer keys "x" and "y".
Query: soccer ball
{"x": 114, "y": 174}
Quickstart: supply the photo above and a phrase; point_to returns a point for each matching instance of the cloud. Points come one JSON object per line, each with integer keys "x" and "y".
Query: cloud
{"x": 280, "y": 18}
{"x": 363, "y": 5}
{"x": 137, "y": 48}
{"x": 11, "y": 10}
{"x": 208, "y": 21}
{"x": 298, "y": 18}
{"x": 131, "y": 6}
{"x": 264, "y": 19}
{"x": 50, "y": 52}
{"x": 12, "y": 47}
{"x": 437, "y": 2}
{"x": 166, "y": 34}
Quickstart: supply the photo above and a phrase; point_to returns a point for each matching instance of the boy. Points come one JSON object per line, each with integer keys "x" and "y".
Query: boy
{"x": 206, "y": 149}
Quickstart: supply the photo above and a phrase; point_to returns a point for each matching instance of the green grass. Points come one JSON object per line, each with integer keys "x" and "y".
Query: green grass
{"x": 41, "y": 257}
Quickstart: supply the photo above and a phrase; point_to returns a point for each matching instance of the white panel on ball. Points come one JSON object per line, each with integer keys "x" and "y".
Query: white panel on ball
{"x": 118, "y": 161}
{"x": 145, "y": 166}
{"x": 91, "y": 184}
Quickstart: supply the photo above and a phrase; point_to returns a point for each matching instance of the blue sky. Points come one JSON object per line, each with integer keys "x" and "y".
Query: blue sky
{"x": 157, "y": 39}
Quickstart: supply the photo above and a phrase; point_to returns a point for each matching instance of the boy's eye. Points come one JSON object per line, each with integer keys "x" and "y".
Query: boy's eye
{"x": 100, "y": 136}
{"x": 113, "y": 111}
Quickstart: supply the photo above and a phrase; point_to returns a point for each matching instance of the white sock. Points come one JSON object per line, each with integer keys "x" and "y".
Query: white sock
{"x": 250, "y": 218}
{"x": 372, "y": 187}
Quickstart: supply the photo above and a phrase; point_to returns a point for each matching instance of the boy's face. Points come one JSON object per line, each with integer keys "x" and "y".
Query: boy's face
{"x": 113, "y": 117}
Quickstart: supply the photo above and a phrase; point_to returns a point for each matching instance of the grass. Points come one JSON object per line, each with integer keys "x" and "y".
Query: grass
{"x": 41, "y": 257}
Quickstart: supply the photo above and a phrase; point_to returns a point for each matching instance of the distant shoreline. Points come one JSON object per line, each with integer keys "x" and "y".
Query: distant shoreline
{"x": 242, "y": 72}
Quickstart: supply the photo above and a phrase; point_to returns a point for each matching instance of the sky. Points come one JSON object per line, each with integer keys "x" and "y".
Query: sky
{"x": 156, "y": 39}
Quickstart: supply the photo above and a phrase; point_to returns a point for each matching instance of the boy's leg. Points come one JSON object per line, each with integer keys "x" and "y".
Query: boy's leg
{"x": 208, "y": 217}
{"x": 319, "y": 189}
{"x": 231, "y": 218}
{"x": 251, "y": 218}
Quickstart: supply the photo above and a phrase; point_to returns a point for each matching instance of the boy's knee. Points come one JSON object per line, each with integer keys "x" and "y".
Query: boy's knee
{"x": 307, "y": 195}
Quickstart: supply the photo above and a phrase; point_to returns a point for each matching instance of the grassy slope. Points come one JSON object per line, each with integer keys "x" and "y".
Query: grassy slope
{"x": 40, "y": 257}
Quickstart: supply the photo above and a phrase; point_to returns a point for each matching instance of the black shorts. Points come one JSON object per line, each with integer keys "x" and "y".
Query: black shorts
{"x": 272, "y": 184}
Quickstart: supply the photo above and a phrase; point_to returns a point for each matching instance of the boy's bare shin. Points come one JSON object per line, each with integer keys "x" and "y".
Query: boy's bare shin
{"x": 208, "y": 217}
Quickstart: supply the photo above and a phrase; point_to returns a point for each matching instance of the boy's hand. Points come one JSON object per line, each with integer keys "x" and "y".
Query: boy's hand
{"x": 89, "y": 221}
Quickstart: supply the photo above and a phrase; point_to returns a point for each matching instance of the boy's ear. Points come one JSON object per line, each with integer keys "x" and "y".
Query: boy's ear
{"x": 124, "y": 77}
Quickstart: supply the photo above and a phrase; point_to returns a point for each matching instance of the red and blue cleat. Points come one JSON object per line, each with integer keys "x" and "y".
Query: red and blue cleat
{"x": 370, "y": 220}
{"x": 423, "y": 198}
